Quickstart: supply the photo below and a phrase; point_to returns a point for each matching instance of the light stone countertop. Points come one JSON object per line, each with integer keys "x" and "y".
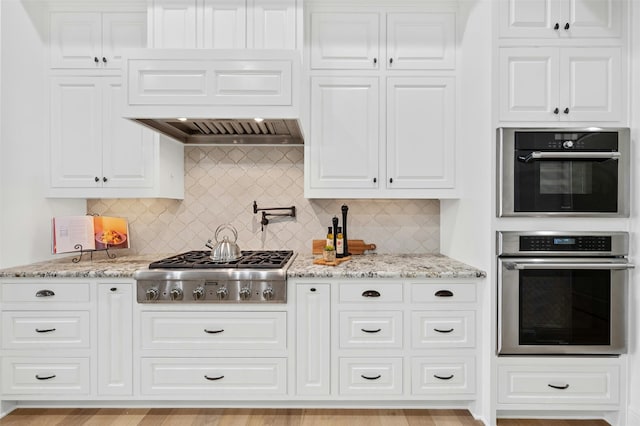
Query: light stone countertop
{"x": 364, "y": 266}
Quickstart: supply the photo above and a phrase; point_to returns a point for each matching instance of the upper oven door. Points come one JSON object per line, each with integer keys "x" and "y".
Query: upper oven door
{"x": 561, "y": 306}
{"x": 564, "y": 172}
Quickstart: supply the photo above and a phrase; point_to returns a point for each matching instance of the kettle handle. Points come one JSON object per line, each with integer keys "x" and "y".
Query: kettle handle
{"x": 226, "y": 226}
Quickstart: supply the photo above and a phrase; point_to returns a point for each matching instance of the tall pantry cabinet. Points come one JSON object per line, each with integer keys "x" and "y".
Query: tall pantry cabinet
{"x": 382, "y": 107}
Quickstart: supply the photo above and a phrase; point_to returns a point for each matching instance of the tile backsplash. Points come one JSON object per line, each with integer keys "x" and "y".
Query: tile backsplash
{"x": 221, "y": 184}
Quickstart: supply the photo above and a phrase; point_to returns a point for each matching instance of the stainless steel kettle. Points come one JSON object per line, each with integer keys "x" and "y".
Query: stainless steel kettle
{"x": 225, "y": 250}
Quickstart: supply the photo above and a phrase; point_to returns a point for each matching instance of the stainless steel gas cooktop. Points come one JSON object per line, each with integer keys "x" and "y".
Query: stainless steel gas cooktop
{"x": 194, "y": 277}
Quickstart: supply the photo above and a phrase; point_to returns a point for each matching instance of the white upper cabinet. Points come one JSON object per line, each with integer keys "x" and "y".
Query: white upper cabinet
{"x": 94, "y": 40}
{"x": 560, "y": 19}
{"x": 97, "y": 153}
{"x": 413, "y": 40}
{"x": 561, "y": 84}
{"x": 223, "y": 24}
{"x": 345, "y": 40}
{"x": 420, "y": 132}
{"x": 344, "y": 132}
{"x": 173, "y": 24}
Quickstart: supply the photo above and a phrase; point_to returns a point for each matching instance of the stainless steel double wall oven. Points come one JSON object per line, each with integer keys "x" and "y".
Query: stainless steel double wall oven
{"x": 562, "y": 292}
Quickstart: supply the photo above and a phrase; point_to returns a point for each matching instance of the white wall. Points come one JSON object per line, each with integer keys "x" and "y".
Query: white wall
{"x": 465, "y": 224}
{"x": 634, "y": 294}
{"x": 25, "y": 229}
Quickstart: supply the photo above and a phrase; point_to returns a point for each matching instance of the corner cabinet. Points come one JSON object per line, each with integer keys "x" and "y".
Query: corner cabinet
{"x": 95, "y": 153}
{"x": 382, "y": 107}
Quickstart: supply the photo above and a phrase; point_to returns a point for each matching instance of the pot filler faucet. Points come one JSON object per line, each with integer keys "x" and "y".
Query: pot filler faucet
{"x": 266, "y": 213}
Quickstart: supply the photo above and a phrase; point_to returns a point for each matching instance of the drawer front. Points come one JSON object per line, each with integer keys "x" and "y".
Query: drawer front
{"x": 45, "y": 292}
{"x": 370, "y": 329}
{"x": 370, "y": 376}
{"x": 53, "y": 376}
{"x": 443, "y": 293}
{"x": 45, "y": 329}
{"x": 214, "y": 330}
{"x": 370, "y": 292}
{"x": 443, "y": 375}
{"x": 566, "y": 385}
{"x": 443, "y": 329}
{"x": 214, "y": 376}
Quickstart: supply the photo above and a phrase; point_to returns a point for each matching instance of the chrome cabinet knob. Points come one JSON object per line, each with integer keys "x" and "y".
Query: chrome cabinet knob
{"x": 268, "y": 293}
{"x": 175, "y": 294}
{"x": 198, "y": 293}
{"x": 152, "y": 294}
{"x": 222, "y": 293}
{"x": 245, "y": 293}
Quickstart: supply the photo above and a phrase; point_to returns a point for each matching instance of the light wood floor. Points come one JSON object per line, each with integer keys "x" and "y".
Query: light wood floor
{"x": 251, "y": 417}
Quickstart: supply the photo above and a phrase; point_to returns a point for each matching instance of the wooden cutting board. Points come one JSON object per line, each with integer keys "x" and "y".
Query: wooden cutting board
{"x": 355, "y": 246}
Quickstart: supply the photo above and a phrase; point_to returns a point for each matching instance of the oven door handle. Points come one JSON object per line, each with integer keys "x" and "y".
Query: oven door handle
{"x": 543, "y": 155}
{"x": 520, "y": 266}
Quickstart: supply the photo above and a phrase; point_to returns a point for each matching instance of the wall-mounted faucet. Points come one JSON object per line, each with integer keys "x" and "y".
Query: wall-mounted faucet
{"x": 290, "y": 212}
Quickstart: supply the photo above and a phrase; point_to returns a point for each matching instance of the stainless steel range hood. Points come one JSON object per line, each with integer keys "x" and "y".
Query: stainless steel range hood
{"x": 228, "y": 97}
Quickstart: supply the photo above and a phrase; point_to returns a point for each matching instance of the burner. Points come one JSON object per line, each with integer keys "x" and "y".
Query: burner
{"x": 198, "y": 259}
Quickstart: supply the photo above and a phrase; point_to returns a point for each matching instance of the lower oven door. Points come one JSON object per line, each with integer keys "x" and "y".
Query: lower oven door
{"x": 562, "y": 306}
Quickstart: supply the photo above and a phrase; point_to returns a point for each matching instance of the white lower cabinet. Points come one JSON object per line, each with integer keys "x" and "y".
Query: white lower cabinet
{"x": 45, "y": 375}
{"x": 214, "y": 377}
{"x": 545, "y": 381}
{"x": 386, "y": 339}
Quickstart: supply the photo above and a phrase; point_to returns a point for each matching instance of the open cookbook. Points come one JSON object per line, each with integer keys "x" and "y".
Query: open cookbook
{"x": 83, "y": 233}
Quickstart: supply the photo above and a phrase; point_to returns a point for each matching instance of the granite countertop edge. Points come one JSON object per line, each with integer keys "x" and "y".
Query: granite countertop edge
{"x": 390, "y": 266}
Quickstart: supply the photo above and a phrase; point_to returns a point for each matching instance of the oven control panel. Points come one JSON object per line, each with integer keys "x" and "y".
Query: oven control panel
{"x": 565, "y": 243}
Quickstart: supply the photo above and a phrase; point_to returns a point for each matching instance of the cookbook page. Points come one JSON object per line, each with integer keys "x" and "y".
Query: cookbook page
{"x": 71, "y": 231}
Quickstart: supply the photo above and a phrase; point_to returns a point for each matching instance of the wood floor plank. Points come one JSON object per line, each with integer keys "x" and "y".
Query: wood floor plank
{"x": 261, "y": 417}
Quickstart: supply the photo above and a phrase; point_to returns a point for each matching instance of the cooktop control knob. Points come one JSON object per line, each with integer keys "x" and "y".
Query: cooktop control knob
{"x": 245, "y": 293}
{"x": 222, "y": 293}
{"x": 198, "y": 293}
{"x": 152, "y": 293}
{"x": 567, "y": 144}
{"x": 175, "y": 294}
{"x": 268, "y": 293}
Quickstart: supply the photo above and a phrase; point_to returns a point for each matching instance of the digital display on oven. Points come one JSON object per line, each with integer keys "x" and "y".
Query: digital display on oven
{"x": 564, "y": 241}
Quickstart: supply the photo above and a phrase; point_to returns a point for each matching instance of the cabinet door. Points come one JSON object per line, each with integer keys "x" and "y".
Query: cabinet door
{"x": 591, "y": 18}
{"x": 127, "y": 147}
{"x": 329, "y": 32}
{"x": 225, "y": 24}
{"x": 421, "y": 41}
{"x": 529, "y": 84}
{"x": 420, "y": 132}
{"x": 76, "y": 40}
{"x": 530, "y": 18}
{"x": 271, "y": 24}
{"x": 122, "y": 31}
{"x": 590, "y": 84}
{"x": 344, "y": 129}
{"x": 174, "y": 24}
{"x": 76, "y": 132}
{"x": 312, "y": 339}
{"x": 115, "y": 336}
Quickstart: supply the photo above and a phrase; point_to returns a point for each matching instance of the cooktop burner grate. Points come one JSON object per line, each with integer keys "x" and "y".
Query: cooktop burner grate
{"x": 200, "y": 259}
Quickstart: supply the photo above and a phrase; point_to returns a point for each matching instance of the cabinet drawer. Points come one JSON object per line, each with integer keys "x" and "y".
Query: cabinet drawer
{"x": 370, "y": 376}
{"x": 214, "y": 330}
{"x": 566, "y": 384}
{"x": 49, "y": 329}
{"x": 370, "y": 329}
{"x": 216, "y": 376}
{"x": 30, "y": 376}
{"x": 443, "y": 293}
{"x": 440, "y": 375}
{"x": 370, "y": 292}
{"x": 45, "y": 292}
{"x": 443, "y": 329}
